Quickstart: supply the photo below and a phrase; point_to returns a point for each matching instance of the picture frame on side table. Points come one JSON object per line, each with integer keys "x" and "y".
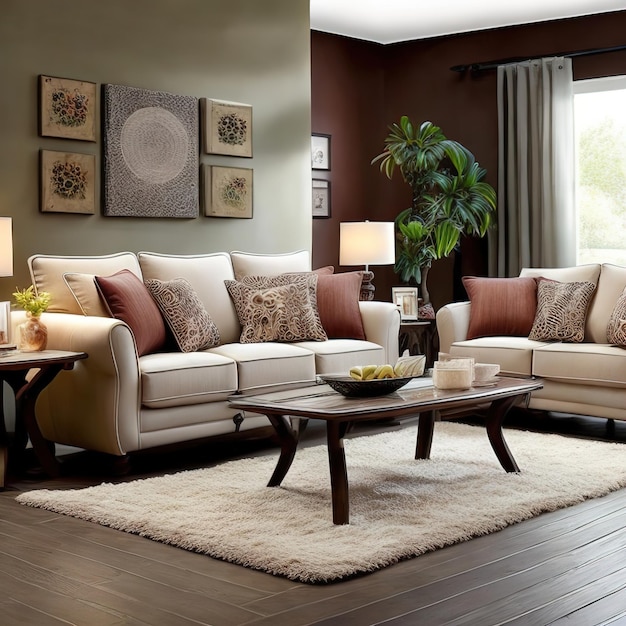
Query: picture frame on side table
{"x": 405, "y": 298}
{"x": 5, "y": 326}
{"x": 320, "y": 151}
{"x": 67, "y": 108}
{"x": 321, "y": 198}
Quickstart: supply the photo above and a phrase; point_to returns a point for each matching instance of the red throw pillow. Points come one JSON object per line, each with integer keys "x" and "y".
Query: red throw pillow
{"x": 129, "y": 300}
{"x": 338, "y": 305}
{"x": 501, "y": 306}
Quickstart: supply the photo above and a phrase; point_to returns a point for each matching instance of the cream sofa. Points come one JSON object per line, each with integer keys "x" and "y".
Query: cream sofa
{"x": 587, "y": 378}
{"x": 117, "y": 402}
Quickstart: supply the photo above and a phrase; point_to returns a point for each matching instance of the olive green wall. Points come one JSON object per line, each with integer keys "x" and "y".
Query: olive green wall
{"x": 249, "y": 51}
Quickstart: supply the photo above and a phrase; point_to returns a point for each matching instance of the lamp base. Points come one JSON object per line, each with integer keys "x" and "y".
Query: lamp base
{"x": 367, "y": 288}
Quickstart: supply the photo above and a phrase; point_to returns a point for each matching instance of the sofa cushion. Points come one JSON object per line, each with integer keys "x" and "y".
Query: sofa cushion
{"x": 250, "y": 263}
{"x": 514, "y": 354}
{"x": 269, "y": 366}
{"x": 85, "y": 291}
{"x": 501, "y": 306}
{"x": 184, "y": 314}
{"x": 576, "y": 274}
{"x": 610, "y": 287}
{"x": 46, "y": 273}
{"x": 561, "y": 311}
{"x": 278, "y": 308}
{"x": 129, "y": 300}
{"x": 582, "y": 363}
{"x": 616, "y": 328}
{"x": 338, "y": 305}
{"x": 337, "y": 356}
{"x": 206, "y": 273}
{"x": 172, "y": 379}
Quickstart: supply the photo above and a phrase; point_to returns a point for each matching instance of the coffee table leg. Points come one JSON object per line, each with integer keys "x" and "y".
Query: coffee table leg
{"x": 288, "y": 443}
{"x": 338, "y": 473}
{"x": 494, "y": 419}
{"x": 425, "y": 428}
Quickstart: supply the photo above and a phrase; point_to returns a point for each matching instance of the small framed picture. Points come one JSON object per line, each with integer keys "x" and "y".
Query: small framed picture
{"x": 405, "y": 298}
{"x": 320, "y": 151}
{"x": 321, "y": 198}
{"x": 67, "y": 108}
{"x": 227, "y": 191}
{"x": 226, "y": 127}
{"x": 67, "y": 182}
{"x": 5, "y": 324}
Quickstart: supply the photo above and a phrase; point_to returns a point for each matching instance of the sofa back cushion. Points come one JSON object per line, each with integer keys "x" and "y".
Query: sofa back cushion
{"x": 47, "y": 274}
{"x": 576, "y": 274}
{"x": 252, "y": 264}
{"x": 206, "y": 274}
{"x": 610, "y": 287}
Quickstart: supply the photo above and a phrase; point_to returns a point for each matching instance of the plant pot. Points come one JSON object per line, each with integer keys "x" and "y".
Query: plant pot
{"x": 33, "y": 334}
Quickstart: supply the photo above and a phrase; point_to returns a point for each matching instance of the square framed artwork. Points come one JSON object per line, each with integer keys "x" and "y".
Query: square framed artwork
{"x": 67, "y": 108}
{"x": 151, "y": 153}
{"x": 321, "y": 198}
{"x": 226, "y": 127}
{"x": 405, "y": 298}
{"x": 68, "y": 182}
{"x": 228, "y": 191}
{"x": 320, "y": 151}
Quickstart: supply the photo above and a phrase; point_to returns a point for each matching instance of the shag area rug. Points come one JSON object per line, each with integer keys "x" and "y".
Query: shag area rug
{"x": 399, "y": 507}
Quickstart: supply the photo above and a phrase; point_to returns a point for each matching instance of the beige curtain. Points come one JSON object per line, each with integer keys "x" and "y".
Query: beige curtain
{"x": 536, "y": 211}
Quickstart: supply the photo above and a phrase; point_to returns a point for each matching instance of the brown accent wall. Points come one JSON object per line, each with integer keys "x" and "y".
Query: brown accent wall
{"x": 414, "y": 79}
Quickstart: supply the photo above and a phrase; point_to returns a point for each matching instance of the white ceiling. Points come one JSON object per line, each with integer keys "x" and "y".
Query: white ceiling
{"x": 390, "y": 21}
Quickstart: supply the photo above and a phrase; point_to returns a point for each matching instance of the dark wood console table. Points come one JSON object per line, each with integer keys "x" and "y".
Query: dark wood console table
{"x": 15, "y": 367}
{"x": 420, "y": 337}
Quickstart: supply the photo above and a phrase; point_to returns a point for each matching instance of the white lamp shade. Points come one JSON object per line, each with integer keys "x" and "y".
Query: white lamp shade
{"x": 6, "y": 246}
{"x": 366, "y": 243}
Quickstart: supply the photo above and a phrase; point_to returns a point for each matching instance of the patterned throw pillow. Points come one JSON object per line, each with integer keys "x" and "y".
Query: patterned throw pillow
{"x": 616, "y": 328}
{"x": 184, "y": 313}
{"x": 277, "y": 308}
{"x": 561, "y": 311}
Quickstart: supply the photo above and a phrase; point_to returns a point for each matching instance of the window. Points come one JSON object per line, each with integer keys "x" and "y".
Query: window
{"x": 600, "y": 127}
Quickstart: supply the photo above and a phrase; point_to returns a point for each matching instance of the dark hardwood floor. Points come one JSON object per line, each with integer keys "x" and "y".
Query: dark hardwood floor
{"x": 567, "y": 567}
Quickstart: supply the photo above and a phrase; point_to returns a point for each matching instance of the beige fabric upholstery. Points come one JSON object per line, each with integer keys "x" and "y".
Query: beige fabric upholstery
{"x": 47, "y": 274}
{"x": 587, "y": 378}
{"x": 337, "y": 356}
{"x": 250, "y": 264}
{"x": 265, "y": 366}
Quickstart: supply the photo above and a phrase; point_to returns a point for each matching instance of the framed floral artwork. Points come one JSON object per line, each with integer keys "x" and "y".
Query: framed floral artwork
{"x": 67, "y": 182}
{"x": 227, "y": 191}
{"x": 227, "y": 127}
{"x": 321, "y": 198}
{"x": 67, "y": 108}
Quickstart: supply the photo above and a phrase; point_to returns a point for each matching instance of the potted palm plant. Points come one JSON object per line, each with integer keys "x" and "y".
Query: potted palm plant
{"x": 449, "y": 197}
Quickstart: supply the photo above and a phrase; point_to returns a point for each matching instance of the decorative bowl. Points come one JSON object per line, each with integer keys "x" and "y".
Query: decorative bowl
{"x": 351, "y": 388}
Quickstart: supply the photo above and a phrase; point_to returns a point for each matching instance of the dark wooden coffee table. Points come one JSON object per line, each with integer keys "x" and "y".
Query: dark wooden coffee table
{"x": 321, "y": 402}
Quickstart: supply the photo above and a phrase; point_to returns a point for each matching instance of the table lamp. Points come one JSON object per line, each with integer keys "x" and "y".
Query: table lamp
{"x": 367, "y": 243}
{"x": 6, "y": 269}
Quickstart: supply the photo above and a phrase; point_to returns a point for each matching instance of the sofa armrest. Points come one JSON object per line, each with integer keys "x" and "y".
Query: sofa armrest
{"x": 452, "y": 324}
{"x": 96, "y": 404}
{"x": 381, "y": 322}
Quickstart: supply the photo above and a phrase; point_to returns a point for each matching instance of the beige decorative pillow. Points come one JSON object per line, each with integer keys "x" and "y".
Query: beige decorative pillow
{"x": 561, "y": 311}
{"x": 616, "y": 328}
{"x": 184, "y": 314}
{"x": 276, "y": 309}
{"x": 85, "y": 292}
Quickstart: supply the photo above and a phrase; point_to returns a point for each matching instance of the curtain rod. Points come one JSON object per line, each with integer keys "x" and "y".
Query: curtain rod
{"x": 492, "y": 65}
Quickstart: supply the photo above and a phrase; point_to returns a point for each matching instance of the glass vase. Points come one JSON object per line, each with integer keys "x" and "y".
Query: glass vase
{"x": 33, "y": 334}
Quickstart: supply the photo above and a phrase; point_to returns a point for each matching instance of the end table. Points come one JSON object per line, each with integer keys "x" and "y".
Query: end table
{"x": 420, "y": 337}
{"x": 15, "y": 367}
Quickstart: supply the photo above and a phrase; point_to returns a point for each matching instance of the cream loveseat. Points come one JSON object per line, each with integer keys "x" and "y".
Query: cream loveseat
{"x": 586, "y": 377}
{"x": 119, "y": 400}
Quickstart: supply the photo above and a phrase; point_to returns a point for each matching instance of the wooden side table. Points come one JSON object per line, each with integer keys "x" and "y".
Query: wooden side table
{"x": 15, "y": 367}
{"x": 420, "y": 337}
